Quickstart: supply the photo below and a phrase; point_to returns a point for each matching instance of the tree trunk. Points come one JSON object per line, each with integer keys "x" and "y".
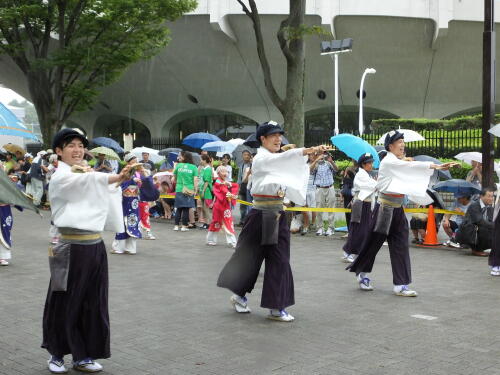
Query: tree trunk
{"x": 44, "y": 104}
{"x": 294, "y": 101}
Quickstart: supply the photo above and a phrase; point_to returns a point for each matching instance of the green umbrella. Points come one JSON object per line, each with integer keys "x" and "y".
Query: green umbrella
{"x": 110, "y": 154}
{"x": 10, "y": 194}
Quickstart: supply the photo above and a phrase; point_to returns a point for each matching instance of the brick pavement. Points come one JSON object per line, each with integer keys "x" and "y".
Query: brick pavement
{"x": 168, "y": 317}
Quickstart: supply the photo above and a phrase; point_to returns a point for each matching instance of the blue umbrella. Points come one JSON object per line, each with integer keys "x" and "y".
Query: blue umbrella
{"x": 196, "y": 140}
{"x": 11, "y": 125}
{"x": 219, "y": 146}
{"x": 354, "y": 147}
{"x": 109, "y": 143}
{"x": 457, "y": 187}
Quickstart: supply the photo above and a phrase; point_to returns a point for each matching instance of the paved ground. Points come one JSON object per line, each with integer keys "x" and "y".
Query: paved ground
{"x": 168, "y": 317}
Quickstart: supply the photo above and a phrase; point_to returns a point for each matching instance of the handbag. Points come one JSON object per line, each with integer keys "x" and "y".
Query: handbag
{"x": 187, "y": 191}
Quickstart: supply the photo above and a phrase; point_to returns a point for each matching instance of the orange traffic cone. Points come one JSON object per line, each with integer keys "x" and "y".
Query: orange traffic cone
{"x": 430, "y": 239}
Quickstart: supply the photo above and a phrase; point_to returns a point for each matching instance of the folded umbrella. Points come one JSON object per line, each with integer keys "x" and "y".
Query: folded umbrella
{"x": 354, "y": 147}
{"x": 109, "y": 153}
{"x": 196, "y": 140}
{"x": 107, "y": 142}
{"x": 457, "y": 187}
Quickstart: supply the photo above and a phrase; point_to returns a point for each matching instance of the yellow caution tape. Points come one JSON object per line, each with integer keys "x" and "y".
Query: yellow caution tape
{"x": 323, "y": 209}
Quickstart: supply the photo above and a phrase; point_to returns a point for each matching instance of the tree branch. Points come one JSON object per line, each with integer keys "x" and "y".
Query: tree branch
{"x": 266, "y": 70}
{"x": 282, "y": 40}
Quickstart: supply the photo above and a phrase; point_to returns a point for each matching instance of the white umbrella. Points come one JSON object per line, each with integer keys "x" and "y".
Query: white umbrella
{"x": 469, "y": 157}
{"x": 495, "y": 130}
{"x": 410, "y": 136}
{"x": 236, "y": 141}
{"x": 153, "y": 154}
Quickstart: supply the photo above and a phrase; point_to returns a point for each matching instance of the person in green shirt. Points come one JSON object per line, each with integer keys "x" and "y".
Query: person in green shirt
{"x": 186, "y": 179}
{"x": 206, "y": 196}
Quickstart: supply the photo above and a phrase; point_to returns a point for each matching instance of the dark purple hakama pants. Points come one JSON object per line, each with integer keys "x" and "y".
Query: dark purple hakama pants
{"x": 77, "y": 321}
{"x": 241, "y": 271}
{"x": 358, "y": 231}
{"x": 494, "y": 257}
{"x": 398, "y": 248}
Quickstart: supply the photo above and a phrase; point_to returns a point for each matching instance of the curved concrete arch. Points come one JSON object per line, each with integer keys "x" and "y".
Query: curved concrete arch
{"x": 170, "y": 125}
{"x": 114, "y": 126}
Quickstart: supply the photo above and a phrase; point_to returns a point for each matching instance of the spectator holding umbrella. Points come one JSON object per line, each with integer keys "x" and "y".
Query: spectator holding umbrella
{"x": 102, "y": 164}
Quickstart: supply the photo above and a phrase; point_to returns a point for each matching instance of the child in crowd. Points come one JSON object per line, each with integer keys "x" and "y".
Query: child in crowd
{"x": 225, "y": 193}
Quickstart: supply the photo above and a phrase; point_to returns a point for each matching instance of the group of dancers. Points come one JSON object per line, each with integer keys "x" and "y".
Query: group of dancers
{"x": 76, "y": 318}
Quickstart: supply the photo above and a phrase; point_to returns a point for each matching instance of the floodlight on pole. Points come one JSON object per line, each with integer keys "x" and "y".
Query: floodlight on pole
{"x": 334, "y": 48}
{"x": 361, "y": 126}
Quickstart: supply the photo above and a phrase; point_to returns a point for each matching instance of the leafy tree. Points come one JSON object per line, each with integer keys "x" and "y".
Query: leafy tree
{"x": 69, "y": 49}
{"x": 292, "y": 43}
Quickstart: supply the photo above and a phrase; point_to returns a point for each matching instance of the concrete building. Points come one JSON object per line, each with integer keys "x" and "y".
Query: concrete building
{"x": 427, "y": 53}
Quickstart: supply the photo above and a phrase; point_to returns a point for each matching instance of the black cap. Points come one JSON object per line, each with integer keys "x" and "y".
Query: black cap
{"x": 268, "y": 128}
{"x": 365, "y": 158}
{"x": 392, "y": 137}
{"x": 68, "y": 133}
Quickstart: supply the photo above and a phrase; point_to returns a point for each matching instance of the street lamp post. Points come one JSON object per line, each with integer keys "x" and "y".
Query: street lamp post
{"x": 361, "y": 126}
{"x": 334, "y": 48}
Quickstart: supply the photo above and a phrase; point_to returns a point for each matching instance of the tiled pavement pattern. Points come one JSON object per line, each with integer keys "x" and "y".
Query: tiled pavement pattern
{"x": 168, "y": 317}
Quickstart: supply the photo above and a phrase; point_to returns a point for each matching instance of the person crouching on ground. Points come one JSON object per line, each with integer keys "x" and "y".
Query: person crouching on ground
{"x": 225, "y": 193}
{"x": 84, "y": 203}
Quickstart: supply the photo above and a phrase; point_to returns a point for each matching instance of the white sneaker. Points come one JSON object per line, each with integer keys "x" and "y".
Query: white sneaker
{"x": 116, "y": 251}
{"x": 87, "y": 365}
{"x": 280, "y": 316}
{"x": 329, "y": 232}
{"x": 385, "y": 243}
{"x": 453, "y": 243}
{"x": 184, "y": 229}
{"x": 176, "y": 227}
{"x": 240, "y": 304}
{"x": 3, "y": 262}
{"x": 494, "y": 273}
{"x": 56, "y": 366}
{"x": 404, "y": 291}
{"x": 365, "y": 284}
{"x": 351, "y": 258}
{"x": 149, "y": 236}
{"x": 211, "y": 243}
{"x": 320, "y": 232}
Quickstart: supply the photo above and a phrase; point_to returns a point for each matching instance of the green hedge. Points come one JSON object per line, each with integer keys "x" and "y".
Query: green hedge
{"x": 457, "y": 123}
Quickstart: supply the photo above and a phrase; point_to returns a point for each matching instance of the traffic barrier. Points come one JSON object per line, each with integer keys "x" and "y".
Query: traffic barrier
{"x": 325, "y": 209}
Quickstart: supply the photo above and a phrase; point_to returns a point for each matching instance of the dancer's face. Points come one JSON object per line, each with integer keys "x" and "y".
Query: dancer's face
{"x": 398, "y": 148}
{"x": 271, "y": 142}
{"x": 72, "y": 153}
